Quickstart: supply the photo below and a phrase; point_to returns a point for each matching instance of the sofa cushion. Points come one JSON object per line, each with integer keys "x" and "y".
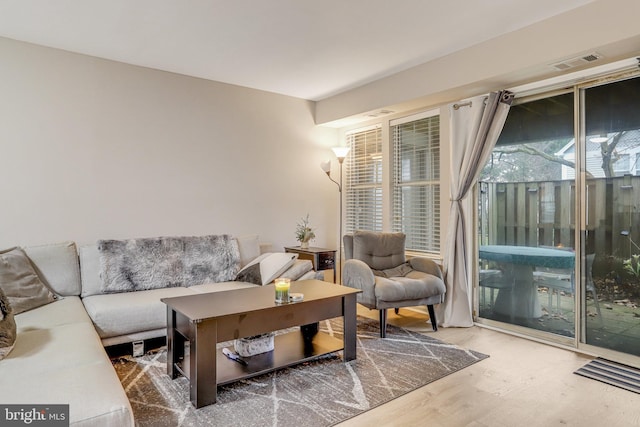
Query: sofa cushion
{"x": 93, "y": 392}
{"x": 57, "y": 266}
{"x": 249, "y": 247}
{"x": 220, "y": 287}
{"x": 130, "y": 312}
{"x": 266, "y": 268}
{"x": 62, "y": 312}
{"x": 7, "y": 327}
{"x": 20, "y": 282}
{"x": 43, "y": 350}
{"x": 66, "y": 365}
{"x": 90, "y": 270}
{"x": 164, "y": 262}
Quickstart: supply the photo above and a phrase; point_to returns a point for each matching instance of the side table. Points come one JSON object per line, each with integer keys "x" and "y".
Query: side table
{"x": 322, "y": 258}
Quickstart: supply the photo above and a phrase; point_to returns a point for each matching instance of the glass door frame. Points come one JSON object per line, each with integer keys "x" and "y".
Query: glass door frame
{"x": 523, "y": 331}
{"x": 578, "y": 341}
{"x": 581, "y": 214}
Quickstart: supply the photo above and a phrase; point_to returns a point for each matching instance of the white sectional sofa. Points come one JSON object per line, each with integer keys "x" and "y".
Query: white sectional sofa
{"x": 59, "y": 355}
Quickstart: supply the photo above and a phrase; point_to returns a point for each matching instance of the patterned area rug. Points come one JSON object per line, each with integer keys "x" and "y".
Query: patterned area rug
{"x": 323, "y": 392}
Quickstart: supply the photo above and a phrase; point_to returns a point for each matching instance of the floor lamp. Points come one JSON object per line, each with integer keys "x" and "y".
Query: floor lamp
{"x": 341, "y": 153}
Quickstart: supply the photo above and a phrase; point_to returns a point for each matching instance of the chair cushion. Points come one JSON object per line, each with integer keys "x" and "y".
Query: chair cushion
{"x": 414, "y": 286}
{"x": 380, "y": 251}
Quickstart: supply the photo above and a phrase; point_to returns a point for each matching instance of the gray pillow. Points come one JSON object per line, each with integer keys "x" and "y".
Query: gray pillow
{"x": 7, "y": 327}
{"x": 266, "y": 268}
{"x": 20, "y": 282}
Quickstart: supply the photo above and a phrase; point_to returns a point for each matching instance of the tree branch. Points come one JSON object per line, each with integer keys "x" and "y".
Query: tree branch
{"x": 524, "y": 148}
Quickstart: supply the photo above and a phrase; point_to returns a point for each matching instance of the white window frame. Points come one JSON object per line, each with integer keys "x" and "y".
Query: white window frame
{"x": 421, "y": 221}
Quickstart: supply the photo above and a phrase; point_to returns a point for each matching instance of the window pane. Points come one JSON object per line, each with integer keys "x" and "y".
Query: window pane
{"x": 363, "y": 184}
{"x": 416, "y": 184}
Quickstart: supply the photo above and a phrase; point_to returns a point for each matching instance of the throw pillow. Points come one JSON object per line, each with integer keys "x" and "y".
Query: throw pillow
{"x": 297, "y": 270}
{"x": 249, "y": 247}
{"x": 7, "y": 327}
{"x": 20, "y": 282}
{"x": 266, "y": 268}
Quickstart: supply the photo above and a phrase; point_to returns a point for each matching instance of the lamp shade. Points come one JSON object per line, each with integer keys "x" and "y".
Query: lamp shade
{"x": 341, "y": 152}
{"x": 326, "y": 166}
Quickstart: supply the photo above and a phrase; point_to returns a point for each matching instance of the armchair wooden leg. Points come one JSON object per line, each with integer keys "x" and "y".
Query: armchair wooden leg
{"x": 397, "y": 310}
{"x": 432, "y": 317}
{"x": 383, "y": 323}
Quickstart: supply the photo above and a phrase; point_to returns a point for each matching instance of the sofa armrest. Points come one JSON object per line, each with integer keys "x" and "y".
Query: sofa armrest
{"x": 426, "y": 265}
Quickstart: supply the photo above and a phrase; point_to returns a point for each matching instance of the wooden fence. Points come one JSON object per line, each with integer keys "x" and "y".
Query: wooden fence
{"x": 542, "y": 213}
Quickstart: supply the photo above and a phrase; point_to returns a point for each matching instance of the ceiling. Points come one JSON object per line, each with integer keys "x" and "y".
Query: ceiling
{"x": 301, "y": 48}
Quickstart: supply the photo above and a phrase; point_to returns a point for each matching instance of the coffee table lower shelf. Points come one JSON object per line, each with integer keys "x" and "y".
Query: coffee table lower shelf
{"x": 289, "y": 349}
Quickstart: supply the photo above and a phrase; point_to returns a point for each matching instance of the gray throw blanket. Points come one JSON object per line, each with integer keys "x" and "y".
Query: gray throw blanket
{"x": 163, "y": 262}
{"x": 399, "y": 271}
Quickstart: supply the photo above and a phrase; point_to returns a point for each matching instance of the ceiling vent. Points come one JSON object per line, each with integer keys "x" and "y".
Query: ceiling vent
{"x": 379, "y": 113}
{"x": 577, "y": 61}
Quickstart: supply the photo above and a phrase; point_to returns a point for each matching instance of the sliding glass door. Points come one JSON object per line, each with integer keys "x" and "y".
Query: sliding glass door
{"x": 527, "y": 220}
{"x": 559, "y": 219}
{"x": 611, "y": 158}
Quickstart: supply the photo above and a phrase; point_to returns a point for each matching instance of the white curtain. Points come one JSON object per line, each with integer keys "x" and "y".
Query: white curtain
{"x": 475, "y": 128}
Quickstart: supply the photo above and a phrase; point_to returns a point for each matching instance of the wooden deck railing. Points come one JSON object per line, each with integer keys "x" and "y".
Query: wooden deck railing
{"x": 542, "y": 213}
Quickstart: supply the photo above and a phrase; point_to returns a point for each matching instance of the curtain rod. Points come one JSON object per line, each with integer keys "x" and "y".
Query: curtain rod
{"x": 464, "y": 104}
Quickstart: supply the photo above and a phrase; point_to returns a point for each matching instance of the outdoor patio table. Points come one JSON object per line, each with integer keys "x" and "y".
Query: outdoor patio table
{"x": 518, "y": 263}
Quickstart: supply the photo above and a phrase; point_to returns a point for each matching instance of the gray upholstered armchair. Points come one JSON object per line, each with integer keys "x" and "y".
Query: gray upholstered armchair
{"x": 375, "y": 263}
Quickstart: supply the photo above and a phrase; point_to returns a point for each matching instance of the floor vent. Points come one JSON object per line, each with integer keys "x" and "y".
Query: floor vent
{"x": 577, "y": 61}
{"x": 612, "y": 373}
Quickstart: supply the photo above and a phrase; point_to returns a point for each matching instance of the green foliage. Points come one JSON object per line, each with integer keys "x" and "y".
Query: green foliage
{"x": 632, "y": 265}
{"x": 304, "y": 232}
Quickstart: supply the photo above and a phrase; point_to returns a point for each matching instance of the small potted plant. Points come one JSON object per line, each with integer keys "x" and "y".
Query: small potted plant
{"x": 304, "y": 232}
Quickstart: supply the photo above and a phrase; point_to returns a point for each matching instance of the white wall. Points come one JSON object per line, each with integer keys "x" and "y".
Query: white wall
{"x": 93, "y": 149}
{"x": 605, "y": 26}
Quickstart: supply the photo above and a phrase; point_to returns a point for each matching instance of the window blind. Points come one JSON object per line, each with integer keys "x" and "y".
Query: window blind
{"x": 416, "y": 183}
{"x": 363, "y": 185}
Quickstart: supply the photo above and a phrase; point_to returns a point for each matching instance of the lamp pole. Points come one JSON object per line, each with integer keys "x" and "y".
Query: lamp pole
{"x": 340, "y": 160}
{"x": 341, "y": 154}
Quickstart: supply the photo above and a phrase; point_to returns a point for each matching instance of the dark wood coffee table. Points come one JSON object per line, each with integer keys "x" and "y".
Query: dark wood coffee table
{"x": 203, "y": 320}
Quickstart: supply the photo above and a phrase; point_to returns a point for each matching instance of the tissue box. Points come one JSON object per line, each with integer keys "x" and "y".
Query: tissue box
{"x": 250, "y": 346}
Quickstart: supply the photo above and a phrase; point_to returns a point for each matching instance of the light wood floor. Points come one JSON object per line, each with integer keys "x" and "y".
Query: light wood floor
{"x": 522, "y": 383}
